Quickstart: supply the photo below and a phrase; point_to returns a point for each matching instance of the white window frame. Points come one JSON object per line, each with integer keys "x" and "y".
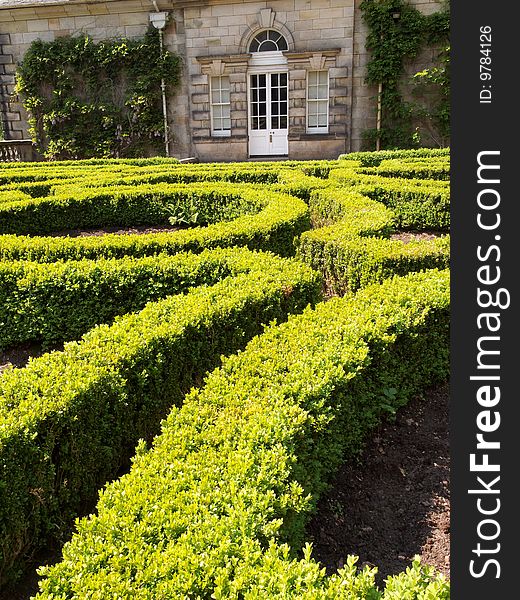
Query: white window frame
{"x": 309, "y": 101}
{"x": 219, "y": 132}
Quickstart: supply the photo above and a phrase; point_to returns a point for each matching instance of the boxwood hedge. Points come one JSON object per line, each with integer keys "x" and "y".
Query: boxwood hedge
{"x": 55, "y": 302}
{"x": 74, "y": 206}
{"x": 217, "y": 507}
{"x": 347, "y": 252}
{"x": 373, "y": 159}
{"x": 410, "y": 170}
{"x": 70, "y": 419}
{"x": 417, "y": 204}
{"x": 273, "y": 228}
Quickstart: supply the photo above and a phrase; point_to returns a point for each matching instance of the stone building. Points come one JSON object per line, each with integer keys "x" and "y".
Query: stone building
{"x": 260, "y": 77}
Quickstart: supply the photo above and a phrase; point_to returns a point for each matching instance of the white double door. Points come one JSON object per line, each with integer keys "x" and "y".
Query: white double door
{"x": 268, "y": 114}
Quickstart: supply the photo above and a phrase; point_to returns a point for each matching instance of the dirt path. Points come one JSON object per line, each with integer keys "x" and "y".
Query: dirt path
{"x": 136, "y": 230}
{"x": 395, "y": 502}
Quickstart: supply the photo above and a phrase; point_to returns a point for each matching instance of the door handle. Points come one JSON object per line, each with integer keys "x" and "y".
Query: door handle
{"x": 270, "y": 138}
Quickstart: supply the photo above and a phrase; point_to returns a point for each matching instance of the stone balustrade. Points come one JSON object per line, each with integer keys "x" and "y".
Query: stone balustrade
{"x": 17, "y": 151}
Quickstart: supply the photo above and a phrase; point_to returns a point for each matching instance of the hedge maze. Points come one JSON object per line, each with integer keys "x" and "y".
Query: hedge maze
{"x": 213, "y": 373}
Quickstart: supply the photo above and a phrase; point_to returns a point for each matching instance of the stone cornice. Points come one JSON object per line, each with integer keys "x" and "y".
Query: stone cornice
{"x": 307, "y": 54}
{"x": 225, "y": 58}
{"x": 36, "y": 8}
{"x": 291, "y": 55}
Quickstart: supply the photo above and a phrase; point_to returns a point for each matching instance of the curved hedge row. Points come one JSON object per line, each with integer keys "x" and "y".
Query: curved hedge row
{"x": 373, "y": 159}
{"x": 60, "y": 301}
{"x": 13, "y": 196}
{"x": 70, "y": 419}
{"x": 417, "y": 204}
{"x": 92, "y": 175}
{"x": 410, "y": 170}
{"x": 273, "y": 228}
{"x": 74, "y": 207}
{"x": 348, "y": 254}
{"x": 217, "y": 508}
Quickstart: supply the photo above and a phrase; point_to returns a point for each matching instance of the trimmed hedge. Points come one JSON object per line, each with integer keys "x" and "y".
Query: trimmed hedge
{"x": 417, "y": 204}
{"x": 273, "y": 228}
{"x": 410, "y": 170}
{"x": 217, "y": 508}
{"x": 76, "y": 207}
{"x": 60, "y": 301}
{"x": 13, "y": 196}
{"x": 348, "y": 255}
{"x": 373, "y": 159}
{"x": 153, "y": 172}
{"x": 70, "y": 419}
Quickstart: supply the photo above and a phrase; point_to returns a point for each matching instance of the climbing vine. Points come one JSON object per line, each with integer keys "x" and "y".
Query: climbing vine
{"x": 88, "y": 99}
{"x": 398, "y": 31}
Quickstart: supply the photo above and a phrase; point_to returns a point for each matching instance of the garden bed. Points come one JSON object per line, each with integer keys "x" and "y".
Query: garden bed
{"x": 395, "y": 502}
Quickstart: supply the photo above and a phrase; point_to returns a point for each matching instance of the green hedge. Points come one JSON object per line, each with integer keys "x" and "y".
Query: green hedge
{"x": 13, "y": 196}
{"x": 21, "y": 166}
{"x": 218, "y": 507}
{"x": 410, "y": 170}
{"x": 60, "y": 301}
{"x": 414, "y": 207}
{"x": 347, "y": 253}
{"x": 373, "y": 159}
{"x": 74, "y": 206}
{"x": 273, "y": 228}
{"x": 417, "y": 204}
{"x": 95, "y": 174}
{"x": 69, "y": 419}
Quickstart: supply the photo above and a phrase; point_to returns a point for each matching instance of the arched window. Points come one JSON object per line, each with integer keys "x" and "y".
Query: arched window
{"x": 268, "y": 41}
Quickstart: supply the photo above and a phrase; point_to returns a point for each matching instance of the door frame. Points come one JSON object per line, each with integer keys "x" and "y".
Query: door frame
{"x": 265, "y": 63}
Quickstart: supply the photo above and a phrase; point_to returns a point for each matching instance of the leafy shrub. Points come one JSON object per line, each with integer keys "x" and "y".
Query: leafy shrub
{"x": 217, "y": 507}
{"x": 417, "y": 204}
{"x": 348, "y": 255}
{"x": 273, "y": 228}
{"x": 70, "y": 419}
{"x": 73, "y": 207}
{"x": 410, "y": 170}
{"x": 373, "y": 159}
{"x": 88, "y": 99}
{"x": 60, "y": 301}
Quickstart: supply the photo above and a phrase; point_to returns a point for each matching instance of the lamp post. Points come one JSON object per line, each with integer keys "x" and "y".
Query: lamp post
{"x": 158, "y": 20}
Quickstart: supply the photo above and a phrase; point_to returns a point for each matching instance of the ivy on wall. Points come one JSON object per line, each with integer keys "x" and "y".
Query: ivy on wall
{"x": 88, "y": 99}
{"x": 398, "y": 31}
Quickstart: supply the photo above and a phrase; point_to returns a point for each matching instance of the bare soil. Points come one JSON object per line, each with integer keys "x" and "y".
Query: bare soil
{"x": 137, "y": 229}
{"x": 408, "y": 236}
{"x": 18, "y": 356}
{"x": 394, "y": 502}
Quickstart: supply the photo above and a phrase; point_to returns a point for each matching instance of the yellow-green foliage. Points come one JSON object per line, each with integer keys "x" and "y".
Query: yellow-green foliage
{"x": 273, "y": 228}
{"x": 417, "y": 203}
{"x": 74, "y": 206}
{"x": 352, "y": 251}
{"x": 208, "y": 511}
{"x": 370, "y": 159}
{"x": 54, "y": 302}
{"x": 408, "y": 170}
{"x": 217, "y": 507}
{"x": 70, "y": 419}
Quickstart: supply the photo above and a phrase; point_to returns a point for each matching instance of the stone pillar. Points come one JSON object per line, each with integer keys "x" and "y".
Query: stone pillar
{"x": 179, "y": 103}
{"x": 11, "y": 118}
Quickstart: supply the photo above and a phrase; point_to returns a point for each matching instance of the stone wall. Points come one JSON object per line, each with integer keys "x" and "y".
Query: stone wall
{"x": 318, "y": 32}
{"x": 22, "y": 22}
{"x": 212, "y": 35}
{"x": 364, "y": 109}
